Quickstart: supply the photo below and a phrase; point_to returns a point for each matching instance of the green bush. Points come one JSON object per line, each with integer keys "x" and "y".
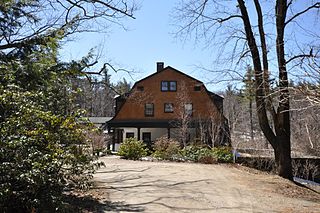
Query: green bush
{"x": 41, "y": 153}
{"x": 166, "y": 148}
{"x": 198, "y": 154}
{"x": 223, "y": 154}
{"x": 205, "y": 155}
{"x": 132, "y": 149}
{"x": 191, "y": 153}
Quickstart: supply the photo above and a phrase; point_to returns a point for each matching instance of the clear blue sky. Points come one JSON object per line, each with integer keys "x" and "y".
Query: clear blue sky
{"x": 148, "y": 40}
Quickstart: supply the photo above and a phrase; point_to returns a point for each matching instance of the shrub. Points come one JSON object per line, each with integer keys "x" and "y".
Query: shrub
{"x": 198, "y": 154}
{"x": 223, "y": 154}
{"x": 206, "y": 156}
{"x": 132, "y": 149}
{"x": 190, "y": 153}
{"x": 42, "y": 154}
{"x": 166, "y": 148}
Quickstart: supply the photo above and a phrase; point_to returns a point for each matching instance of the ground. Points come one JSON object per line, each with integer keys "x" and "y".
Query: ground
{"x": 141, "y": 186}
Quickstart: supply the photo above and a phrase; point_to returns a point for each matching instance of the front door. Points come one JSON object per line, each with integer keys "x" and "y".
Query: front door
{"x": 146, "y": 137}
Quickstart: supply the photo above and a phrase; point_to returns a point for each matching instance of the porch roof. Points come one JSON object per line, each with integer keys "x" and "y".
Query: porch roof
{"x": 155, "y": 123}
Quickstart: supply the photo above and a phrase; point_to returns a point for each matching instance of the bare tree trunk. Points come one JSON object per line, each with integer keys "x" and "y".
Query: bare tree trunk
{"x": 283, "y": 130}
{"x": 251, "y": 120}
{"x": 280, "y": 140}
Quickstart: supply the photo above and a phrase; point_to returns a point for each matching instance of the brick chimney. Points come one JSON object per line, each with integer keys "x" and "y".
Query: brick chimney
{"x": 160, "y": 66}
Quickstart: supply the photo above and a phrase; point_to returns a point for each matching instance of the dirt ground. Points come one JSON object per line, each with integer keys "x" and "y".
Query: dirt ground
{"x": 142, "y": 186}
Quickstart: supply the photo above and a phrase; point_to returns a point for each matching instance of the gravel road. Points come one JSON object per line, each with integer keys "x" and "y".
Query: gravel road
{"x": 141, "y": 186}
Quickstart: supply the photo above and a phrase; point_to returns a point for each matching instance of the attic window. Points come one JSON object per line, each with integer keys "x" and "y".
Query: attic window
{"x": 168, "y": 86}
{"x": 197, "y": 88}
{"x": 140, "y": 88}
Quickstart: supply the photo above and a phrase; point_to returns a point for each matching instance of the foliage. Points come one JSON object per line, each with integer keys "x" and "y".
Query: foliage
{"x": 191, "y": 153}
{"x": 43, "y": 144}
{"x": 132, "y": 149}
{"x": 205, "y": 155}
{"x": 166, "y": 148}
{"x": 223, "y": 154}
{"x": 198, "y": 154}
{"x": 41, "y": 153}
{"x": 122, "y": 87}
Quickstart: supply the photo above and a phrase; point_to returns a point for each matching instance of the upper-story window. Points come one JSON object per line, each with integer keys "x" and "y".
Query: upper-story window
{"x": 188, "y": 109}
{"x": 168, "y": 86}
{"x": 173, "y": 85}
{"x": 149, "y": 110}
{"x": 168, "y": 107}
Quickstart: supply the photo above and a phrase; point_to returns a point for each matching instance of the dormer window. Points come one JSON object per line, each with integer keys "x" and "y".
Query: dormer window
{"x": 168, "y": 86}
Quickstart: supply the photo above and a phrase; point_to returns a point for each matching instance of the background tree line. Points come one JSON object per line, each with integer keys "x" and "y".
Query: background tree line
{"x": 97, "y": 95}
{"x": 240, "y": 110}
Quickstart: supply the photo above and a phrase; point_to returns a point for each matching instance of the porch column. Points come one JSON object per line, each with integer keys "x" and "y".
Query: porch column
{"x": 138, "y": 133}
{"x": 168, "y": 132}
{"x": 114, "y": 136}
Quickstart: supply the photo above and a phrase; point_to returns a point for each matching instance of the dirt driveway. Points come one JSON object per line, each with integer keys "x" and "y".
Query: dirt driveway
{"x": 140, "y": 186}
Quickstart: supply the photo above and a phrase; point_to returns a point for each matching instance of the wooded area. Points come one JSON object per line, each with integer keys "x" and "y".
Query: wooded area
{"x": 274, "y": 39}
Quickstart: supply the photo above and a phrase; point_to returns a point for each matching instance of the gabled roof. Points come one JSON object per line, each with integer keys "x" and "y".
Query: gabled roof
{"x": 211, "y": 94}
{"x": 166, "y": 68}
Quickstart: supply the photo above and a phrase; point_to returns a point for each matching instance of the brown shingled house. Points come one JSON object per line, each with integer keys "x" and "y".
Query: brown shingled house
{"x": 162, "y": 104}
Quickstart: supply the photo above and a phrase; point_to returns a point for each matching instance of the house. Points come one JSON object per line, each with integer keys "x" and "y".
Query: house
{"x": 169, "y": 103}
{"x": 99, "y": 122}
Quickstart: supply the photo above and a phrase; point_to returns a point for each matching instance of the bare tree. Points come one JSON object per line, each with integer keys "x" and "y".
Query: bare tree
{"x": 184, "y": 114}
{"x": 26, "y": 26}
{"x": 219, "y": 21}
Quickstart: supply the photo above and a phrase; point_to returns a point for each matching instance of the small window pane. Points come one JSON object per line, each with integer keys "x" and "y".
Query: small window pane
{"x": 188, "y": 109}
{"x": 149, "y": 109}
{"x": 168, "y": 107}
{"x": 173, "y": 85}
{"x": 164, "y": 86}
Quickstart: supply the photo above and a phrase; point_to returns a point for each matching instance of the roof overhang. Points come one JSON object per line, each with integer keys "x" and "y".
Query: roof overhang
{"x": 150, "y": 123}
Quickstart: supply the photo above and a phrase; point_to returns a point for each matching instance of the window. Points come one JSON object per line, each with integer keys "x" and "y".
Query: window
{"x": 188, "y": 108}
{"x": 173, "y": 86}
{"x": 164, "y": 86}
{"x": 140, "y": 88}
{"x": 130, "y": 135}
{"x": 197, "y": 88}
{"x": 149, "y": 110}
{"x": 168, "y": 86}
{"x": 168, "y": 107}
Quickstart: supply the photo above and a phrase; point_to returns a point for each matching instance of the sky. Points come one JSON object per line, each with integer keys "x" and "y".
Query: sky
{"x": 149, "y": 39}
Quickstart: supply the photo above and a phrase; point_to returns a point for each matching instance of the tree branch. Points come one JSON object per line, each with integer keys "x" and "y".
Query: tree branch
{"x": 315, "y": 5}
{"x": 310, "y": 55}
